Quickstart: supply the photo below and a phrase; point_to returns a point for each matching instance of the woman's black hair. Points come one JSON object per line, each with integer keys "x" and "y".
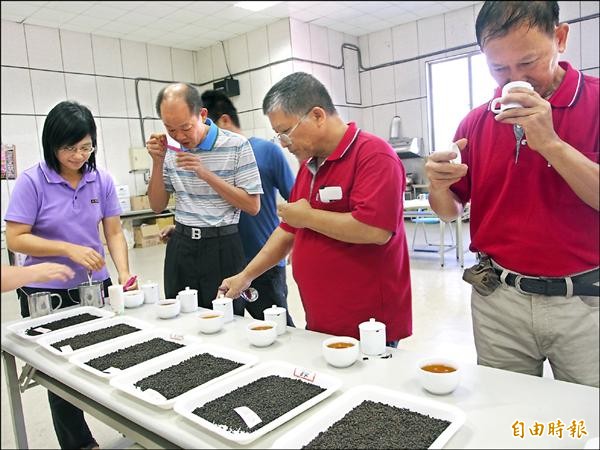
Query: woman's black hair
{"x": 67, "y": 124}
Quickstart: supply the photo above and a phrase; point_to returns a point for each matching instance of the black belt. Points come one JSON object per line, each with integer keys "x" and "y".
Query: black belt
{"x": 205, "y": 232}
{"x": 582, "y": 284}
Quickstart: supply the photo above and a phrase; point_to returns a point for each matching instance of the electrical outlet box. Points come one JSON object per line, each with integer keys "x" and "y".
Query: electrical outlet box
{"x": 139, "y": 158}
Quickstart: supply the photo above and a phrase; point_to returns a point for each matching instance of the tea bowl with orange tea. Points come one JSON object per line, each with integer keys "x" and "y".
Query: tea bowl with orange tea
{"x": 341, "y": 351}
{"x": 261, "y": 333}
{"x": 438, "y": 375}
{"x": 211, "y": 321}
{"x": 167, "y": 308}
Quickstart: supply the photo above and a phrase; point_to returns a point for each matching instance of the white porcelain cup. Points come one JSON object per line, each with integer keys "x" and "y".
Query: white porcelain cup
{"x": 261, "y": 333}
{"x": 211, "y": 321}
{"x": 438, "y": 375}
{"x": 372, "y": 337}
{"x": 189, "y": 300}
{"x": 224, "y": 304}
{"x": 278, "y": 315}
{"x": 340, "y": 351}
{"x": 150, "y": 290}
{"x": 117, "y": 298}
{"x": 505, "y": 90}
{"x": 168, "y": 308}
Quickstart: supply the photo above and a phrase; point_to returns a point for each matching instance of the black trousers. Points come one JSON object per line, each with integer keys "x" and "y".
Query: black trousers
{"x": 70, "y": 426}
{"x": 203, "y": 264}
{"x": 272, "y": 290}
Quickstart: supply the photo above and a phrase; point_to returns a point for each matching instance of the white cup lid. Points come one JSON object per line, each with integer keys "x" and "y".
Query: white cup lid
{"x": 222, "y": 300}
{"x": 371, "y": 325}
{"x": 187, "y": 290}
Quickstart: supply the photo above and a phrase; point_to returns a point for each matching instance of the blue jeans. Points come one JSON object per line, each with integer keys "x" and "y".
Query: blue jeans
{"x": 393, "y": 344}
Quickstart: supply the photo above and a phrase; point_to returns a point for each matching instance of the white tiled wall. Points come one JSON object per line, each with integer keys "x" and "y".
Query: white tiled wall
{"x": 100, "y": 71}
{"x": 407, "y": 81}
{"x": 43, "y": 48}
{"x": 76, "y": 51}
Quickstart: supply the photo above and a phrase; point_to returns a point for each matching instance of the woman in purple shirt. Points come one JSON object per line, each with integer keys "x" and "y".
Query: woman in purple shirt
{"x": 53, "y": 216}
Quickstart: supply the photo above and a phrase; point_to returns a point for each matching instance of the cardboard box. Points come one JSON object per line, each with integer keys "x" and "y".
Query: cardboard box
{"x": 140, "y": 202}
{"x": 171, "y": 203}
{"x": 127, "y": 228}
{"x": 146, "y": 235}
{"x": 122, "y": 191}
{"x": 125, "y": 205}
{"x": 164, "y": 222}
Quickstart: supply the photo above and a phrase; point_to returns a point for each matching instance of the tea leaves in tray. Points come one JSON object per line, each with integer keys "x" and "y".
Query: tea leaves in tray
{"x": 135, "y": 354}
{"x": 61, "y": 323}
{"x": 269, "y": 397}
{"x": 377, "y": 425}
{"x": 186, "y": 375}
{"x": 93, "y": 337}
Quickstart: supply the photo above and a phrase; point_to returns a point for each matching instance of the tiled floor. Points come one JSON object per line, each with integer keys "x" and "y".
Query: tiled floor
{"x": 441, "y": 325}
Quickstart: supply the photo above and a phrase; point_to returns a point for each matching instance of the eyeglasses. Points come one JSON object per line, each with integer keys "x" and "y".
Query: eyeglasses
{"x": 72, "y": 149}
{"x": 284, "y": 139}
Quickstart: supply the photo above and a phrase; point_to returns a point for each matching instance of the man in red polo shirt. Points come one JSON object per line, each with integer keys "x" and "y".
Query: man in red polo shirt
{"x": 534, "y": 209}
{"x": 343, "y": 220}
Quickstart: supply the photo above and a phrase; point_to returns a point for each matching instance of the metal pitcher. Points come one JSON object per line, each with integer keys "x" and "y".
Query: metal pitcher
{"x": 40, "y": 303}
{"x": 90, "y": 294}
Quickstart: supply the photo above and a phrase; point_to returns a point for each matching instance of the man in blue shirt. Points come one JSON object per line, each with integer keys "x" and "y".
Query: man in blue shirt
{"x": 276, "y": 175}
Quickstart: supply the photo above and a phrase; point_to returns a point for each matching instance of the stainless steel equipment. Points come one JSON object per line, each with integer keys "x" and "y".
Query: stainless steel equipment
{"x": 411, "y": 152}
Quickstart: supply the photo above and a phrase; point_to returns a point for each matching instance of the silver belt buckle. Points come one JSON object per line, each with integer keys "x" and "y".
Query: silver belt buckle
{"x": 518, "y": 279}
{"x": 196, "y": 233}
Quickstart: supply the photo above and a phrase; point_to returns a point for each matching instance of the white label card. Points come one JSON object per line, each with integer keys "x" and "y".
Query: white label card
{"x": 248, "y": 416}
{"x": 66, "y": 349}
{"x": 305, "y": 374}
{"x": 177, "y": 337}
{"x": 42, "y": 330}
{"x": 156, "y": 396}
{"x": 330, "y": 193}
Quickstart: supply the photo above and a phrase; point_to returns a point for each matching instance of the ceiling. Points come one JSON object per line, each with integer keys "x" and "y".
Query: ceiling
{"x": 195, "y": 25}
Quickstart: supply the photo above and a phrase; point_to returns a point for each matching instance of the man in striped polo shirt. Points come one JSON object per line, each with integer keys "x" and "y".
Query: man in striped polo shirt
{"x": 213, "y": 176}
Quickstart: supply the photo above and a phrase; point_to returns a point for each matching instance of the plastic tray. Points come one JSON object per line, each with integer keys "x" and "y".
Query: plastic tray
{"x": 83, "y": 356}
{"x": 126, "y": 382}
{"x": 338, "y": 408}
{"x": 189, "y": 403}
{"x": 21, "y": 326}
{"x": 84, "y": 328}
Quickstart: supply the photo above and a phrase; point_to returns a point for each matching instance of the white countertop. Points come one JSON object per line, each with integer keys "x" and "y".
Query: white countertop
{"x": 416, "y": 204}
{"x": 493, "y": 400}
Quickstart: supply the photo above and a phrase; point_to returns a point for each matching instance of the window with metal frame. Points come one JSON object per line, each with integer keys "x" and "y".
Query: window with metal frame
{"x": 455, "y": 86}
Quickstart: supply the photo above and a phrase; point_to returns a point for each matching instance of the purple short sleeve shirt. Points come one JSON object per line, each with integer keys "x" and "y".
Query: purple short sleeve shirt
{"x": 46, "y": 201}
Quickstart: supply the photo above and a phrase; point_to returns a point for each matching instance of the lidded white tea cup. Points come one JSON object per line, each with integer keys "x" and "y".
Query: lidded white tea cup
{"x": 150, "y": 289}
{"x": 372, "y": 337}
{"x": 189, "y": 300}
{"x": 224, "y": 304}
{"x": 278, "y": 315}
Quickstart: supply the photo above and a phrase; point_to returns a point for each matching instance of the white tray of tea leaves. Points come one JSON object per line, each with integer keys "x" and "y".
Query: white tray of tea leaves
{"x": 32, "y": 329}
{"x": 119, "y": 355}
{"x": 186, "y": 371}
{"x": 88, "y": 335}
{"x": 403, "y": 421}
{"x": 245, "y": 406}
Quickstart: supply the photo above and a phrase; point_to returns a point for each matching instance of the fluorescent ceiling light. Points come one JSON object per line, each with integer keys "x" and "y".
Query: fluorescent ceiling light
{"x": 255, "y": 6}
